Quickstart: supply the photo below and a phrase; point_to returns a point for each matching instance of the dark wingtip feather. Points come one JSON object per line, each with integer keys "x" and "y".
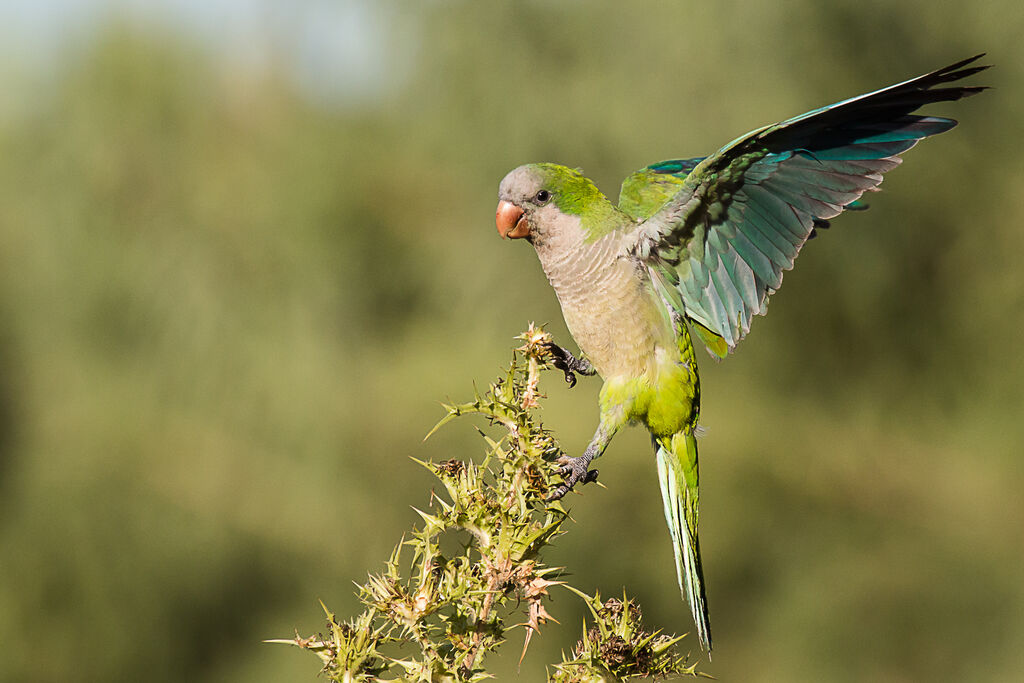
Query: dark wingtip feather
{"x": 963, "y": 62}
{"x": 957, "y": 71}
{"x": 953, "y": 72}
{"x": 964, "y": 73}
{"x": 832, "y": 125}
{"x": 974, "y": 89}
{"x": 947, "y": 74}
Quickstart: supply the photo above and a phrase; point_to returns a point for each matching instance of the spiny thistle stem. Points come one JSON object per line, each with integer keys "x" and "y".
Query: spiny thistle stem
{"x": 450, "y": 612}
{"x": 485, "y": 612}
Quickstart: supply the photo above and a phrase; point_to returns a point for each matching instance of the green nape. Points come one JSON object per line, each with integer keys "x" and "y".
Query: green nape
{"x": 576, "y": 194}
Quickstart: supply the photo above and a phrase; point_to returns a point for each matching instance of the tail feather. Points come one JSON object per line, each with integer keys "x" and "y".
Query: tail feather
{"x": 677, "y": 474}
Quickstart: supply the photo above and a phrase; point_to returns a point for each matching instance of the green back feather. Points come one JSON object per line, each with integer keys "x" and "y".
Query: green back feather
{"x": 647, "y": 190}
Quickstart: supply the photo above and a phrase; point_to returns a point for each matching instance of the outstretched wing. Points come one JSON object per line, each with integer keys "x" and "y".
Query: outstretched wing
{"x": 719, "y": 245}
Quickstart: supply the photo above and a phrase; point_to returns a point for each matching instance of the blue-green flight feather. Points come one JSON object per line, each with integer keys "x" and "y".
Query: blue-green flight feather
{"x": 722, "y": 229}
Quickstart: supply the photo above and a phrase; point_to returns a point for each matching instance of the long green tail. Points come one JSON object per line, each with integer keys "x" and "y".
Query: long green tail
{"x": 677, "y": 474}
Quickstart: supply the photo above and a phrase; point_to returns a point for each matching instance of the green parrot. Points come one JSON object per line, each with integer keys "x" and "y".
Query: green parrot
{"x": 699, "y": 243}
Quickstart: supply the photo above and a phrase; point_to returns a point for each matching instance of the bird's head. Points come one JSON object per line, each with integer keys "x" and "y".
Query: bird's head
{"x": 533, "y": 197}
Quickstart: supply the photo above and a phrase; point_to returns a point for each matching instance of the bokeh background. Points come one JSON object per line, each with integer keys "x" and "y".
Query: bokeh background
{"x": 246, "y": 248}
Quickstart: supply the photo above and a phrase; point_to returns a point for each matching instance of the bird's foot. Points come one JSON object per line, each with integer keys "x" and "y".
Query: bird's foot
{"x": 573, "y": 471}
{"x": 563, "y": 359}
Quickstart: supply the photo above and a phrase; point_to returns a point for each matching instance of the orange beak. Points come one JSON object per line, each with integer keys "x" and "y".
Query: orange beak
{"x": 510, "y": 221}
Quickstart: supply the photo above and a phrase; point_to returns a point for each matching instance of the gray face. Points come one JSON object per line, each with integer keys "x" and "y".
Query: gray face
{"x": 521, "y": 186}
{"x": 525, "y": 188}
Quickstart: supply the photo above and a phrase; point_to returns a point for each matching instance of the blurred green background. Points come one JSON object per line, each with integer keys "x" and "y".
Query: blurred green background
{"x": 246, "y": 248}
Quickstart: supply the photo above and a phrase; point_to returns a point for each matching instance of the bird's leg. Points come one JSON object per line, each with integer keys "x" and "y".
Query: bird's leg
{"x": 577, "y": 470}
{"x": 563, "y": 359}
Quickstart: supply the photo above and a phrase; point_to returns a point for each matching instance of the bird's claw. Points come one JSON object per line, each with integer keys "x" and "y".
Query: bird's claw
{"x": 570, "y": 376}
{"x": 560, "y": 359}
{"x": 574, "y": 471}
{"x": 567, "y": 363}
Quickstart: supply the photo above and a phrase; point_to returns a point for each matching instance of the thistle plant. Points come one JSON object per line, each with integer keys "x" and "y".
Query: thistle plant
{"x": 433, "y": 616}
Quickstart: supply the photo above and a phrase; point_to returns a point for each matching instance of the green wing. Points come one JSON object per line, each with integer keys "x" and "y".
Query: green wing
{"x": 718, "y": 246}
{"x": 642, "y": 194}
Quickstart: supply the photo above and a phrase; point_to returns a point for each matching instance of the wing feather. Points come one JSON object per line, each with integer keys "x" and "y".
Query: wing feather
{"x": 722, "y": 229}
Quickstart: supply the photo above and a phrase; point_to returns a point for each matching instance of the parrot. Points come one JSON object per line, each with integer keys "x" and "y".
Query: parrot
{"x": 699, "y": 244}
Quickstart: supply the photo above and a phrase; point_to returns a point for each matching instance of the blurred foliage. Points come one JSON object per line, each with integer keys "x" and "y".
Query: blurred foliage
{"x": 230, "y": 308}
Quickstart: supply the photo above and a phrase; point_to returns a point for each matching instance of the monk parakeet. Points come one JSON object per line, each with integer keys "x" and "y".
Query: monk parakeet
{"x": 701, "y": 244}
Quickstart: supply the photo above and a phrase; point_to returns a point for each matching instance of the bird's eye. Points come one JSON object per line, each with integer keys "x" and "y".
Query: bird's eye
{"x": 542, "y": 197}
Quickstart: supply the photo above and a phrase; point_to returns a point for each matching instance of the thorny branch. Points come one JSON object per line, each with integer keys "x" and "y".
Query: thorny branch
{"x": 435, "y": 618}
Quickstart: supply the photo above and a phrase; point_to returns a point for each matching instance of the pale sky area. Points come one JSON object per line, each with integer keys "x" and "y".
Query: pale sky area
{"x": 337, "y": 49}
